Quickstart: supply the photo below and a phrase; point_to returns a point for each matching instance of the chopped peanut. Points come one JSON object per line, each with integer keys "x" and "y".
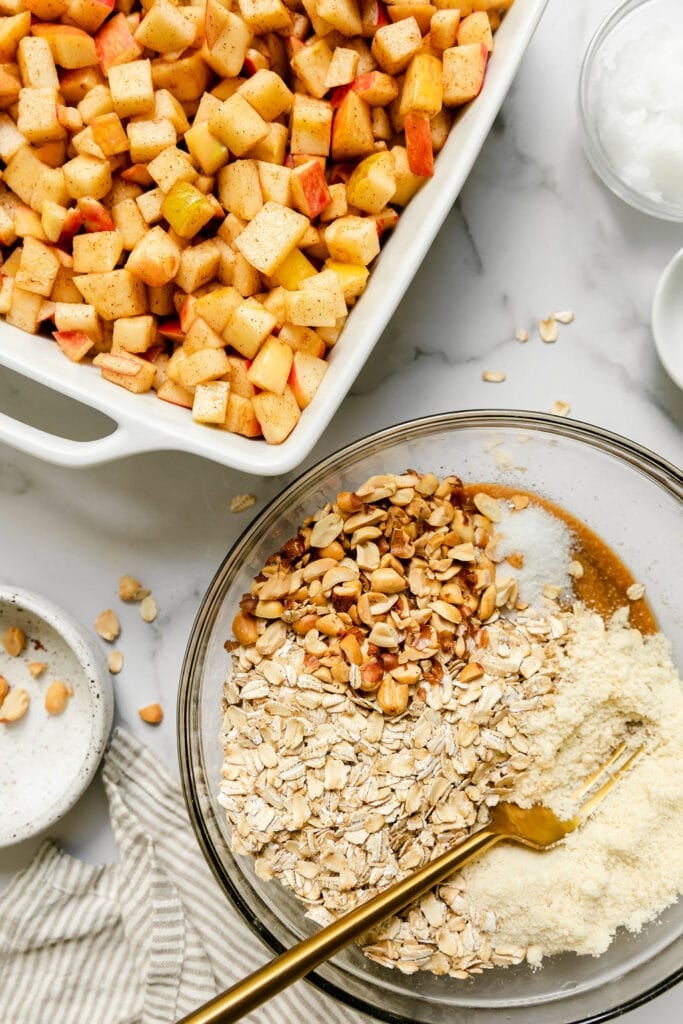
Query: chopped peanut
{"x": 14, "y": 641}
{"x": 56, "y": 697}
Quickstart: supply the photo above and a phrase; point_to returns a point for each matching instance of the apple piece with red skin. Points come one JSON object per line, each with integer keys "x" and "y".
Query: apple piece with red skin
{"x": 309, "y": 188}
{"x": 338, "y": 94}
{"x": 95, "y": 216}
{"x": 175, "y": 394}
{"x": 419, "y": 144}
{"x": 116, "y": 44}
{"x": 305, "y": 377}
{"x": 375, "y": 87}
{"x": 385, "y": 220}
{"x": 74, "y": 344}
{"x": 186, "y": 313}
{"x": 46, "y": 311}
{"x": 352, "y": 134}
{"x": 137, "y": 174}
{"x": 89, "y": 14}
{"x": 255, "y": 61}
{"x": 71, "y": 47}
{"x": 293, "y": 46}
{"x": 240, "y": 417}
{"x": 73, "y": 223}
{"x": 373, "y": 15}
{"x": 171, "y": 329}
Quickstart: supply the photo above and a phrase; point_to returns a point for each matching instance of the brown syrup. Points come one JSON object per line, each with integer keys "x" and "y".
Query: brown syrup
{"x": 605, "y": 578}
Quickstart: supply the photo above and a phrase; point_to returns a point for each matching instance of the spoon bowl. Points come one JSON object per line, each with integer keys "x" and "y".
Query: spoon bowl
{"x": 667, "y": 318}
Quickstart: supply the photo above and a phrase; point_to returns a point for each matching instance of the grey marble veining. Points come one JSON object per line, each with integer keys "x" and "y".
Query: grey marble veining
{"x": 533, "y": 231}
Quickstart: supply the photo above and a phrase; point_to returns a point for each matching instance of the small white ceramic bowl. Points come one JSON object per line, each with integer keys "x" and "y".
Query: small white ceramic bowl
{"x": 47, "y": 761}
{"x": 667, "y": 318}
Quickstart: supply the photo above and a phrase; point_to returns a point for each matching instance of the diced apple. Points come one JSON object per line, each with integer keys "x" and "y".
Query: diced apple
{"x": 86, "y": 14}
{"x": 134, "y": 334}
{"x": 201, "y": 335}
{"x": 353, "y": 278}
{"x": 422, "y": 12}
{"x": 265, "y": 15}
{"x": 186, "y": 209}
{"x": 352, "y": 129}
{"x": 71, "y": 47}
{"x": 227, "y": 41}
{"x": 464, "y": 68}
{"x": 238, "y": 125}
{"x": 407, "y": 182}
{"x": 216, "y": 307}
{"x": 419, "y": 144}
{"x": 443, "y": 29}
{"x": 210, "y": 403}
{"x": 87, "y": 176}
{"x": 240, "y": 417}
{"x": 311, "y": 308}
{"x": 132, "y": 88}
{"x": 310, "y": 191}
{"x": 187, "y": 78}
{"x": 74, "y": 344}
{"x": 310, "y": 126}
{"x": 268, "y": 94}
{"x": 394, "y": 45}
{"x": 207, "y": 149}
{"x": 422, "y": 91}
{"x": 198, "y": 265}
{"x": 305, "y": 377}
{"x": 352, "y": 239}
{"x": 175, "y": 394}
{"x": 206, "y": 364}
{"x": 376, "y": 88}
{"x": 311, "y": 64}
{"x": 342, "y": 15}
{"x": 276, "y": 414}
{"x": 342, "y": 69}
{"x": 271, "y": 236}
{"x": 12, "y": 29}
{"x": 24, "y": 310}
{"x": 475, "y": 28}
{"x": 372, "y": 184}
{"x": 97, "y": 251}
{"x": 113, "y": 294}
{"x": 115, "y": 44}
{"x": 165, "y": 28}
{"x": 94, "y": 216}
{"x": 127, "y": 370}
{"x": 239, "y": 188}
{"x": 248, "y": 327}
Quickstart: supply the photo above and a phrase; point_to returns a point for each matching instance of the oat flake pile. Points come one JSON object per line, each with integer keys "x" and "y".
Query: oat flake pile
{"x": 400, "y": 666}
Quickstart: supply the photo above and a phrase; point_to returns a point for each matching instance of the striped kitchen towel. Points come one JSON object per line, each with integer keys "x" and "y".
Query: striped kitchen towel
{"x": 142, "y": 941}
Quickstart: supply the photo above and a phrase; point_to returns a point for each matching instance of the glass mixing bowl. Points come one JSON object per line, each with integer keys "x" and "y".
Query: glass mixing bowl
{"x": 634, "y": 500}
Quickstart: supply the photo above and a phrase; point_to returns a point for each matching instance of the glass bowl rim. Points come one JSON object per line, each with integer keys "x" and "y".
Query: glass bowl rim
{"x": 592, "y": 147}
{"x": 658, "y": 469}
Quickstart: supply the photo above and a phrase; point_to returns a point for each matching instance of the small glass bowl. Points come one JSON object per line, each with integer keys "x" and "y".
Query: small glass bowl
{"x": 628, "y": 18}
{"x": 634, "y": 501}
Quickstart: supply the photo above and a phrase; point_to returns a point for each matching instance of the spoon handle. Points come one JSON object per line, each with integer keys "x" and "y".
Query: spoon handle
{"x": 296, "y": 962}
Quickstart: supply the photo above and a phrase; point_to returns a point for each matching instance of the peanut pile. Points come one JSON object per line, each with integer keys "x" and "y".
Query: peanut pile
{"x": 384, "y": 582}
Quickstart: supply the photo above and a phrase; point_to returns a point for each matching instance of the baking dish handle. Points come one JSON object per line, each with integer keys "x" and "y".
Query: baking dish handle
{"x": 64, "y": 451}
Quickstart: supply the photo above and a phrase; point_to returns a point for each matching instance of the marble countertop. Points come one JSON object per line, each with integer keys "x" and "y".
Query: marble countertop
{"x": 533, "y": 231}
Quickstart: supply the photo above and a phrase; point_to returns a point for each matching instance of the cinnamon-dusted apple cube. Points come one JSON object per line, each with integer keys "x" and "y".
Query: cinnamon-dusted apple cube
{"x": 186, "y": 78}
{"x": 421, "y": 11}
{"x": 248, "y": 327}
{"x": 23, "y": 173}
{"x": 464, "y": 68}
{"x": 134, "y": 334}
{"x": 36, "y": 66}
{"x": 238, "y": 125}
{"x": 292, "y": 271}
{"x": 244, "y": 277}
{"x": 328, "y": 282}
{"x": 127, "y": 370}
{"x": 342, "y": 15}
{"x": 38, "y": 267}
{"x": 151, "y": 205}
{"x": 96, "y": 251}
{"x": 24, "y": 310}
{"x": 271, "y": 366}
{"x": 310, "y": 192}
{"x": 115, "y": 43}
{"x": 407, "y": 182}
{"x": 6, "y": 289}
{"x": 207, "y": 149}
{"x": 310, "y": 126}
{"x": 352, "y": 239}
{"x": 443, "y": 31}
{"x": 132, "y": 89}
{"x": 166, "y": 105}
{"x": 165, "y": 28}
{"x": 174, "y": 363}
{"x": 87, "y": 176}
{"x": 206, "y": 364}
{"x": 276, "y": 183}
{"x": 353, "y": 278}
{"x": 71, "y": 47}
{"x": 276, "y": 414}
{"x": 226, "y": 45}
{"x": 113, "y": 294}
{"x": 171, "y": 165}
{"x": 312, "y": 308}
{"x": 240, "y": 417}
{"x": 343, "y": 67}
{"x": 310, "y": 64}
{"x": 210, "y": 403}
{"x": 439, "y": 128}
{"x": 173, "y": 393}
{"x": 305, "y": 377}
{"x": 272, "y": 148}
{"x": 198, "y": 265}
{"x": 271, "y": 236}
{"x": 76, "y": 84}
{"x": 10, "y": 85}
{"x": 200, "y": 335}
{"x": 37, "y": 115}
{"x": 87, "y": 14}
{"x": 475, "y": 28}
{"x": 302, "y": 339}
{"x": 78, "y": 316}
{"x": 338, "y": 205}
{"x": 237, "y": 376}
{"x": 239, "y": 189}
{"x": 11, "y": 139}
{"x": 108, "y": 133}
{"x": 394, "y": 45}
{"x": 149, "y": 138}
{"x": 372, "y": 183}
{"x": 8, "y": 235}
{"x": 217, "y": 306}
{"x": 13, "y": 28}
{"x": 352, "y": 129}
{"x": 381, "y": 125}
{"x": 268, "y": 94}
{"x": 74, "y": 344}
{"x": 26, "y": 225}
{"x": 265, "y": 15}
{"x": 422, "y": 91}
{"x": 97, "y": 101}
{"x": 186, "y": 209}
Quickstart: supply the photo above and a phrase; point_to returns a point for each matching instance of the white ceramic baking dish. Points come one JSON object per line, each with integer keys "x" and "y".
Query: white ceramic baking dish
{"x": 146, "y": 424}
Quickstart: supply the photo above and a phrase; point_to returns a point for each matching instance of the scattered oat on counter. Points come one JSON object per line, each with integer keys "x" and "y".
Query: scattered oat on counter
{"x": 564, "y": 317}
{"x": 493, "y": 376}
{"x": 131, "y": 589}
{"x": 148, "y": 609}
{"x": 14, "y": 641}
{"x": 635, "y": 592}
{"x": 57, "y": 697}
{"x": 115, "y": 662}
{"x": 241, "y": 502}
{"x": 547, "y": 330}
{"x": 107, "y": 625}
{"x": 152, "y": 714}
{"x": 15, "y": 705}
{"x": 560, "y": 408}
{"x": 521, "y": 334}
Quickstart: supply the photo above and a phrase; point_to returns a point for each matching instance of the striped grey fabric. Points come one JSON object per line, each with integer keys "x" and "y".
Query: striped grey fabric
{"x": 142, "y": 941}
